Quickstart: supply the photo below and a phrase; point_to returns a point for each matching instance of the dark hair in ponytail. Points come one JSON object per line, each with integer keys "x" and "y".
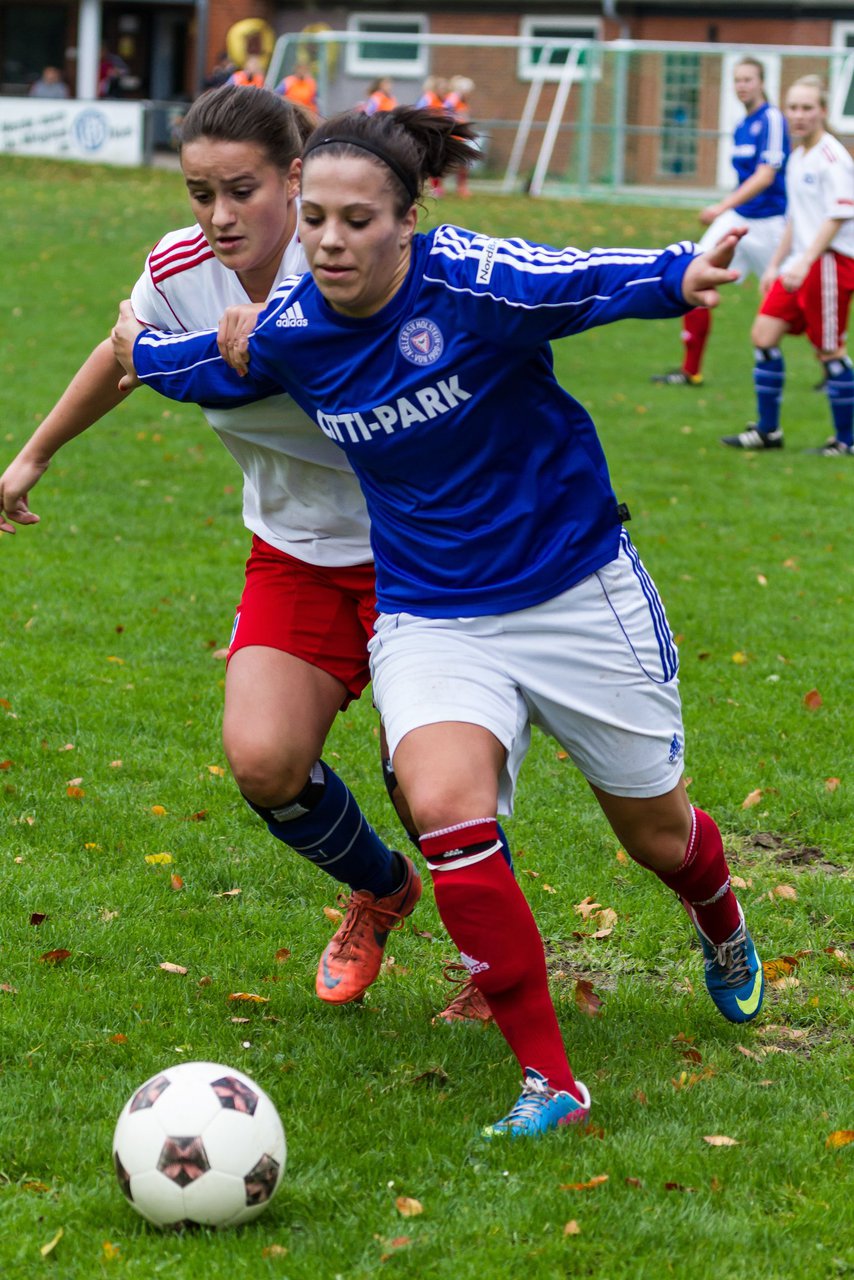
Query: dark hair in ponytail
{"x": 240, "y": 113}
{"x": 412, "y": 144}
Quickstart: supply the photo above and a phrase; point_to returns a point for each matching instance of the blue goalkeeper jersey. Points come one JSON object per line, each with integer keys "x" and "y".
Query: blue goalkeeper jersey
{"x": 762, "y": 138}
{"x": 485, "y": 481}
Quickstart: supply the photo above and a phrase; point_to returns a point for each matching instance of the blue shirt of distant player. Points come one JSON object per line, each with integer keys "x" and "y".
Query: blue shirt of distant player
{"x": 762, "y": 138}
{"x": 485, "y": 481}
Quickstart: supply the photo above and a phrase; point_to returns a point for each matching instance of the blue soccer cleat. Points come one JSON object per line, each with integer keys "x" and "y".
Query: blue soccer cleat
{"x": 734, "y": 977}
{"x": 539, "y": 1109}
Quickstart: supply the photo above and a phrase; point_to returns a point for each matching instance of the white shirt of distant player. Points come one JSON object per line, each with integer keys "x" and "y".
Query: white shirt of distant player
{"x": 299, "y": 493}
{"x": 820, "y": 185}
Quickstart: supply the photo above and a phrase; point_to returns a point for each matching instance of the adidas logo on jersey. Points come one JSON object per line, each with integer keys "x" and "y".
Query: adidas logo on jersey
{"x": 293, "y": 318}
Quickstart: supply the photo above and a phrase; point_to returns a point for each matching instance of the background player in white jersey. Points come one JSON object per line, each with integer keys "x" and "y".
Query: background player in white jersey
{"x": 299, "y": 648}
{"x": 759, "y": 152}
{"x": 508, "y": 589}
{"x": 810, "y": 279}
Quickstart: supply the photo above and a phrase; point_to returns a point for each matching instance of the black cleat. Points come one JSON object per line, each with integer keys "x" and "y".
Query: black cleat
{"x": 753, "y": 438}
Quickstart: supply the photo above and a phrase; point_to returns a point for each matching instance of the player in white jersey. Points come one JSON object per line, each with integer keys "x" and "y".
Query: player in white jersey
{"x": 810, "y": 279}
{"x": 509, "y": 591}
{"x": 298, "y": 651}
{"x": 759, "y": 153}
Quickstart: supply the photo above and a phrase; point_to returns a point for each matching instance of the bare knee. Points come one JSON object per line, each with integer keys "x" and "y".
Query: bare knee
{"x": 268, "y": 774}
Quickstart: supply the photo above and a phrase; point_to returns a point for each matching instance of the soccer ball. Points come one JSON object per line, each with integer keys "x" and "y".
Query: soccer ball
{"x": 199, "y": 1144}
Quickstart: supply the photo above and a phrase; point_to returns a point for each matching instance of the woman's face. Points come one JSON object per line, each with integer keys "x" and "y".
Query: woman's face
{"x": 805, "y": 114}
{"x": 244, "y": 204}
{"x": 358, "y": 247}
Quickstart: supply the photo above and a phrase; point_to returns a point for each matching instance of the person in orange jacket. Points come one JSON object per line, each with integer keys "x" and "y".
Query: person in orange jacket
{"x": 251, "y": 73}
{"x": 300, "y": 87}
{"x": 380, "y": 97}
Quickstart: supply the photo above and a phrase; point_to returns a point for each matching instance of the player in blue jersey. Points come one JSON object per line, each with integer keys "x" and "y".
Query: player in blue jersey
{"x": 759, "y": 154}
{"x": 509, "y": 591}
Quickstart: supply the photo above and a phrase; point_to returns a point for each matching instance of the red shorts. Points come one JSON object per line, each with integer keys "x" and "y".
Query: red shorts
{"x": 820, "y": 306}
{"x": 324, "y": 615}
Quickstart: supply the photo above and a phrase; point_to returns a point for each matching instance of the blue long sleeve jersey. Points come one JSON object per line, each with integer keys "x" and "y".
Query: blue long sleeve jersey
{"x": 485, "y": 481}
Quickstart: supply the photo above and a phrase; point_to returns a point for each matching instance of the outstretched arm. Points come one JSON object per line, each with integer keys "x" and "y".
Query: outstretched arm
{"x": 93, "y": 392}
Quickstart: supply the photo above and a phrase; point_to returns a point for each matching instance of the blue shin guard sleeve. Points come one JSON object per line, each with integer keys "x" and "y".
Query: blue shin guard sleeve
{"x": 769, "y": 373}
{"x": 840, "y": 394}
{"x": 326, "y": 826}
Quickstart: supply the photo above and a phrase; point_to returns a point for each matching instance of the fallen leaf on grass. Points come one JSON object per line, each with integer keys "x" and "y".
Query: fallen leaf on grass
{"x": 586, "y": 908}
{"x": 812, "y": 700}
{"x": 111, "y": 1251}
{"x": 720, "y": 1140}
{"x": 282, "y": 955}
{"x": 839, "y": 1138}
{"x": 38, "y": 917}
{"x": 274, "y": 1251}
{"x": 75, "y": 792}
{"x": 51, "y": 1244}
{"x": 738, "y": 883}
{"x": 8, "y": 988}
{"x": 40, "y": 1188}
{"x": 838, "y": 954}
{"x": 158, "y": 859}
{"x": 787, "y": 891}
{"x": 229, "y": 893}
{"x": 172, "y": 968}
{"x": 158, "y": 810}
{"x": 408, "y": 1207}
{"x": 586, "y": 998}
{"x": 748, "y": 1053}
{"x": 752, "y": 799}
{"x": 217, "y": 770}
{"x": 5, "y": 764}
{"x": 830, "y": 784}
{"x": 572, "y": 1228}
{"x": 176, "y": 882}
{"x": 119, "y": 1038}
{"x": 333, "y": 914}
{"x": 633, "y": 1182}
{"x": 249, "y": 997}
{"x": 55, "y": 957}
{"x": 584, "y": 1186}
{"x": 677, "y": 1186}
{"x": 739, "y": 658}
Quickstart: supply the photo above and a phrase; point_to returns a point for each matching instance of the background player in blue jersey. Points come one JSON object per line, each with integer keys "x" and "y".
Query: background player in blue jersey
{"x": 759, "y": 153}
{"x": 509, "y": 592}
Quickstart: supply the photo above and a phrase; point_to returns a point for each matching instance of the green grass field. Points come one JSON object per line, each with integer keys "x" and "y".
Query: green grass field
{"x": 114, "y": 608}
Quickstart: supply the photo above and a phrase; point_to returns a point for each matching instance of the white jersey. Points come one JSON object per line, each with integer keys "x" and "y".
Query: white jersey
{"x": 299, "y": 493}
{"x": 820, "y": 185}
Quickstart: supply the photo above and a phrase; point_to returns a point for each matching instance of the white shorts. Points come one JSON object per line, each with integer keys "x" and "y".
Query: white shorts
{"x": 595, "y": 667}
{"x": 753, "y": 251}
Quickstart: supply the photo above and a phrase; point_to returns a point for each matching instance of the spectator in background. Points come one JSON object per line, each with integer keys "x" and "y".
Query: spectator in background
{"x": 380, "y": 97}
{"x": 111, "y": 68}
{"x": 220, "y": 72}
{"x": 50, "y": 84}
{"x": 299, "y": 87}
{"x": 456, "y": 104}
{"x": 251, "y": 73}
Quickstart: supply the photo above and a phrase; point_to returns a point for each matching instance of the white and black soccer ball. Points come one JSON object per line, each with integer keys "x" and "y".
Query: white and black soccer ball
{"x": 199, "y": 1144}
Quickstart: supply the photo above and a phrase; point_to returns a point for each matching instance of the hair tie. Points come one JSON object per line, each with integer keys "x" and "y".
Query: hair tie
{"x": 351, "y": 141}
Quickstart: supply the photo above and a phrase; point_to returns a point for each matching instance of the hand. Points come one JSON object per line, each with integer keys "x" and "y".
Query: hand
{"x": 708, "y": 215}
{"x": 766, "y": 280}
{"x": 794, "y": 276}
{"x": 233, "y": 333}
{"x": 15, "y": 483}
{"x": 709, "y": 270}
{"x": 125, "y": 332}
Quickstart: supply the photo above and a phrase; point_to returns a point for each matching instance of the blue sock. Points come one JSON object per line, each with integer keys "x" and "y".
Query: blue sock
{"x": 769, "y": 373}
{"x": 840, "y": 394}
{"x": 325, "y": 825}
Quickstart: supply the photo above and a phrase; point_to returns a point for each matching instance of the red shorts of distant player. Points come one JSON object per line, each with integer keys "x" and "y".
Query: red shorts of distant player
{"x": 320, "y": 614}
{"x": 820, "y": 307}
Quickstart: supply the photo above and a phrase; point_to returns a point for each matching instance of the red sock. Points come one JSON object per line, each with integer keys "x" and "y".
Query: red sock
{"x": 703, "y": 880}
{"x": 696, "y": 326}
{"x": 489, "y": 919}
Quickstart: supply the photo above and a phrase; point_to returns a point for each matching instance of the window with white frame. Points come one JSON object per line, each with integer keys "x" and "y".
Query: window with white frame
{"x": 380, "y": 53}
{"x": 842, "y": 77}
{"x": 548, "y": 59}
{"x": 680, "y": 113}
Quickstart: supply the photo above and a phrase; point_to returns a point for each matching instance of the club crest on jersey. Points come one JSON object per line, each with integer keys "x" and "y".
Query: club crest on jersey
{"x": 420, "y": 341}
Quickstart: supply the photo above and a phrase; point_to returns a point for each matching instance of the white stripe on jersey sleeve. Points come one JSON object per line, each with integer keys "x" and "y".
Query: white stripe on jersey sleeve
{"x": 774, "y": 153}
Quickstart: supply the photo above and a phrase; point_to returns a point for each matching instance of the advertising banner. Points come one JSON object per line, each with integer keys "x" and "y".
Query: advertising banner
{"x": 101, "y": 132}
